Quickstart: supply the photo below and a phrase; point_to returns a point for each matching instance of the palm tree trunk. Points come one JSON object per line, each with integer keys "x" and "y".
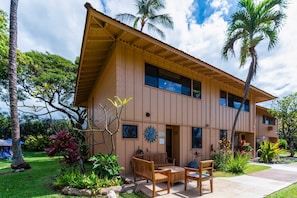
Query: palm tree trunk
{"x": 245, "y": 94}
{"x": 17, "y": 158}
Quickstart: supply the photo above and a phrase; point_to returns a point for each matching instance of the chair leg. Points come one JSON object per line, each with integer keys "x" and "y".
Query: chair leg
{"x": 154, "y": 189}
{"x": 211, "y": 185}
{"x": 200, "y": 187}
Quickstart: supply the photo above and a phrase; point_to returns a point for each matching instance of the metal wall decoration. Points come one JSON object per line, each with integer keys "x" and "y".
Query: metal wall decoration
{"x": 150, "y": 134}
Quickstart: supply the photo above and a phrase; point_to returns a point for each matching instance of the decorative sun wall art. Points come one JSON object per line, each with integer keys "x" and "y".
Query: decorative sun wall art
{"x": 150, "y": 134}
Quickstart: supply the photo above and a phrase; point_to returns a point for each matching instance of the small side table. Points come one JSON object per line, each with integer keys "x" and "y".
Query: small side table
{"x": 177, "y": 173}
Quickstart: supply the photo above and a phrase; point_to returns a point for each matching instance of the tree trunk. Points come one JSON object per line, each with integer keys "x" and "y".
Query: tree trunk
{"x": 252, "y": 71}
{"x": 291, "y": 145}
{"x": 17, "y": 159}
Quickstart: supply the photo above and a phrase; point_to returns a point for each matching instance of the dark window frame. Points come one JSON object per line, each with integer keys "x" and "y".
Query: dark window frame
{"x": 223, "y": 134}
{"x": 196, "y": 138}
{"x": 268, "y": 120}
{"x": 170, "y": 81}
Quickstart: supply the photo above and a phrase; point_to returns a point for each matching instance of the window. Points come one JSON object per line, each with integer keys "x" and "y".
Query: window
{"x": 196, "y": 137}
{"x": 223, "y": 134}
{"x": 268, "y": 120}
{"x": 223, "y": 98}
{"x": 196, "y": 89}
{"x": 166, "y": 80}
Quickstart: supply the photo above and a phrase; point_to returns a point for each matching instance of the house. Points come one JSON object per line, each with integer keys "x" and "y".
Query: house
{"x": 266, "y": 126}
{"x": 181, "y": 105}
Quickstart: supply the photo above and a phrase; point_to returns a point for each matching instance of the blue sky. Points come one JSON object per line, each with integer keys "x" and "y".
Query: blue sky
{"x": 199, "y": 29}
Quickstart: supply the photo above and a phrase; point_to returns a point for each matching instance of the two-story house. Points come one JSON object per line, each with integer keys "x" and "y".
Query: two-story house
{"x": 181, "y": 105}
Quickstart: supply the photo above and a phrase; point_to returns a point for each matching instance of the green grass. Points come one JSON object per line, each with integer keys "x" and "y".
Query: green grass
{"x": 250, "y": 168}
{"x": 36, "y": 182}
{"x": 286, "y": 192}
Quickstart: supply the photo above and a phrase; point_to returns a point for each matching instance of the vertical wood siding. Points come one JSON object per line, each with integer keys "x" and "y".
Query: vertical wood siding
{"x": 166, "y": 108}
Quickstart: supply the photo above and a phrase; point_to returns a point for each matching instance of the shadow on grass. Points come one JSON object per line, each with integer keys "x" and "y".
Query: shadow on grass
{"x": 35, "y": 182}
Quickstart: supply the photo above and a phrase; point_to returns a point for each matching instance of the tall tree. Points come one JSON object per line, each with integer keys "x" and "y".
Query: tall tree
{"x": 251, "y": 24}
{"x": 50, "y": 79}
{"x": 17, "y": 159}
{"x": 285, "y": 110}
{"x": 148, "y": 15}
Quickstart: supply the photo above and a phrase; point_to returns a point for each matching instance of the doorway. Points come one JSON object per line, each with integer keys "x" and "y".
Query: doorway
{"x": 173, "y": 142}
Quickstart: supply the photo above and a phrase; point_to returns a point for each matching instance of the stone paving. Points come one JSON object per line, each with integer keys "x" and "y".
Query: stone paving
{"x": 255, "y": 185}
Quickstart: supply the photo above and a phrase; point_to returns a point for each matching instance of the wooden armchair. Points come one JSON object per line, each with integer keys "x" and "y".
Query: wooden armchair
{"x": 145, "y": 170}
{"x": 203, "y": 173}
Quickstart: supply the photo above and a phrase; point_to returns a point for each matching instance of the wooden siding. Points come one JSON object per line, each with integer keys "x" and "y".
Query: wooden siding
{"x": 124, "y": 77}
{"x": 268, "y": 131}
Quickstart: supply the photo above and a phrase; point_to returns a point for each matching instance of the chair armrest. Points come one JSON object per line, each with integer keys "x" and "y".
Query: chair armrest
{"x": 188, "y": 169}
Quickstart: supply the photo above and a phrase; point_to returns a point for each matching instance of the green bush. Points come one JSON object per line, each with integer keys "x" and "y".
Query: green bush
{"x": 75, "y": 179}
{"x": 36, "y": 142}
{"x": 106, "y": 166}
{"x": 283, "y": 144}
{"x": 269, "y": 151}
{"x": 220, "y": 160}
{"x": 237, "y": 164}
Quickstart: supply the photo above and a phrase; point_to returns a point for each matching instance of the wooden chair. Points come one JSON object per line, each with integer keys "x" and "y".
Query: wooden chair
{"x": 145, "y": 170}
{"x": 203, "y": 173}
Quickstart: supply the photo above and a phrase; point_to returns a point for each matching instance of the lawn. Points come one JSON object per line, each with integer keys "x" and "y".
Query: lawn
{"x": 35, "y": 182}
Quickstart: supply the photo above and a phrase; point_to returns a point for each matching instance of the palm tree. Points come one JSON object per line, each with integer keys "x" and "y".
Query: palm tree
{"x": 147, "y": 14}
{"x": 17, "y": 159}
{"x": 251, "y": 24}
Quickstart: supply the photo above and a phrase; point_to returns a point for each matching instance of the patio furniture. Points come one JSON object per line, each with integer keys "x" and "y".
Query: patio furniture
{"x": 145, "y": 170}
{"x": 203, "y": 173}
{"x": 177, "y": 173}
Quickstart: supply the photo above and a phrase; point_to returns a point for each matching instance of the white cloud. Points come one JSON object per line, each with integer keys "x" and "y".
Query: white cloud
{"x": 57, "y": 26}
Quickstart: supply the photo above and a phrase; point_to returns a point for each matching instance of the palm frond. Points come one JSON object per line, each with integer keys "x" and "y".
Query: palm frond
{"x": 163, "y": 19}
{"x": 125, "y": 17}
{"x": 154, "y": 28}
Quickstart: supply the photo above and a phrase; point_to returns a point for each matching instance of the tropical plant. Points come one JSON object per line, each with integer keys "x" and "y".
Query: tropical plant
{"x": 285, "y": 110}
{"x": 269, "y": 151}
{"x": 237, "y": 164}
{"x": 283, "y": 144}
{"x": 148, "y": 15}
{"x": 222, "y": 156}
{"x": 106, "y": 166}
{"x": 63, "y": 144}
{"x": 250, "y": 25}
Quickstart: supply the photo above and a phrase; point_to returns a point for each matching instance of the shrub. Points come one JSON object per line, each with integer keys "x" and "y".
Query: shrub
{"x": 36, "y": 142}
{"x": 63, "y": 144}
{"x": 269, "y": 151}
{"x": 106, "y": 165}
{"x": 223, "y": 155}
{"x": 237, "y": 164}
{"x": 283, "y": 144}
{"x": 76, "y": 179}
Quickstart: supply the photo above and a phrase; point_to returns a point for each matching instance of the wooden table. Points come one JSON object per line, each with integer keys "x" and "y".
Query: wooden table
{"x": 177, "y": 173}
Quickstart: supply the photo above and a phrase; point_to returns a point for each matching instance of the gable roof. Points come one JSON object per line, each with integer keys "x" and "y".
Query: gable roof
{"x": 100, "y": 34}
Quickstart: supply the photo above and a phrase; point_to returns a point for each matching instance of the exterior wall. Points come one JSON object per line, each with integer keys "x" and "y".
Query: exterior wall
{"x": 166, "y": 108}
{"x": 104, "y": 88}
{"x": 265, "y": 131}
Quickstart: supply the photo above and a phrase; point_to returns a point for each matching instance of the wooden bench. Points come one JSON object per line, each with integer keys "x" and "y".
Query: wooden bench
{"x": 145, "y": 170}
{"x": 160, "y": 159}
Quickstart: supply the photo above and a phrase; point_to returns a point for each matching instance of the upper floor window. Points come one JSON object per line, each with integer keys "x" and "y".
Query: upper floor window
{"x": 196, "y": 137}
{"x": 268, "y": 120}
{"x": 166, "y": 80}
{"x": 233, "y": 101}
{"x": 223, "y": 98}
{"x": 196, "y": 89}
